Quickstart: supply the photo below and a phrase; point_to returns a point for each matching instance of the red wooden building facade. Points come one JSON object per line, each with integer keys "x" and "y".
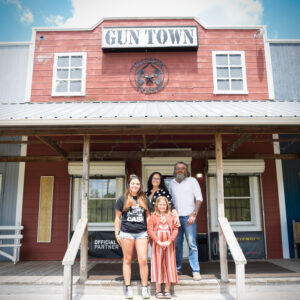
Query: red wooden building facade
{"x": 228, "y": 64}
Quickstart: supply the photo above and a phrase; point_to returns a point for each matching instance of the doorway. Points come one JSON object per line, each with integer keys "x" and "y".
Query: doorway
{"x": 165, "y": 166}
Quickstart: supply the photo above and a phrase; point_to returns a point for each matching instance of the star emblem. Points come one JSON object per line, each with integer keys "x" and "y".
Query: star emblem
{"x": 149, "y": 78}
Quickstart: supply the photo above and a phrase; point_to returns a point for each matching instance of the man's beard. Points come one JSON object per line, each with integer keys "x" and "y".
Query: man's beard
{"x": 180, "y": 177}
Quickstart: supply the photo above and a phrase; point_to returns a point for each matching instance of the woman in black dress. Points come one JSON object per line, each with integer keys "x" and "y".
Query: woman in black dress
{"x": 156, "y": 188}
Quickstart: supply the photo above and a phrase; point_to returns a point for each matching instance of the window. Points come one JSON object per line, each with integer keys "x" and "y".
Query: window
{"x": 102, "y": 200}
{"x": 107, "y": 182}
{"x": 104, "y": 191}
{"x": 241, "y": 200}
{"x": 237, "y": 198}
{"x": 69, "y": 73}
{"x": 241, "y": 193}
{"x": 229, "y": 72}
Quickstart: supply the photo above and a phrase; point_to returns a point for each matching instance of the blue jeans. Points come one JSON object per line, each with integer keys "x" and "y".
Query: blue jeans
{"x": 190, "y": 235}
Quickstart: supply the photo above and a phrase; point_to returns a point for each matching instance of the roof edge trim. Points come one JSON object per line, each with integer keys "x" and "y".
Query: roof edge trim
{"x": 216, "y": 121}
{"x": 199, "y": 21}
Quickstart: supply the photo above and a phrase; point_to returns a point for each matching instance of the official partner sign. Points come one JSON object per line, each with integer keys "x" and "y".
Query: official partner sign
{"x": 150, "y": 37}
{"x": 103, "y": 244}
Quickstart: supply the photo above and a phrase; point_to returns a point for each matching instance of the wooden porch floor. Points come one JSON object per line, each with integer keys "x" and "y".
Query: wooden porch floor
{"x": 51, "y": 272}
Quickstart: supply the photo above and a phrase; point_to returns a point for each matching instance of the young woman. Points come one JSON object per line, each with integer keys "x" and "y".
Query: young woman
{"x": 163, "y": 231}
{"x": 131, "y": 231}
{"x": 156, "y": 188}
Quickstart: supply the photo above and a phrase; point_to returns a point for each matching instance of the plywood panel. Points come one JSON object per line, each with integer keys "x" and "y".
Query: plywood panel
{"x": 45, "y": 209}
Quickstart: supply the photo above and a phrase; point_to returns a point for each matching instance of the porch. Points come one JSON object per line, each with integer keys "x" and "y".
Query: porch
{"x": 109, "y": 273}
{"x": 203, "y": 125}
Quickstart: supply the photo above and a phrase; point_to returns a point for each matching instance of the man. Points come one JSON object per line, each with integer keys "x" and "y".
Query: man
{"x": 187, "y": 197}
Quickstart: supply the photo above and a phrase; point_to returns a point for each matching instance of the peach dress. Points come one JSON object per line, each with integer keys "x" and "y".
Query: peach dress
{"x": 163, "y": 261}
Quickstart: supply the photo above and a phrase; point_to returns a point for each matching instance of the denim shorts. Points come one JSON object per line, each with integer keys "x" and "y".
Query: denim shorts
{"x": 133, "y": 236}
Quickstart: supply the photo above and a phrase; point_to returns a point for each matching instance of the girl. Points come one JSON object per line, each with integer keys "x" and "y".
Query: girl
{"x": 133, "y": 208}
{"x": 163, "y": 231}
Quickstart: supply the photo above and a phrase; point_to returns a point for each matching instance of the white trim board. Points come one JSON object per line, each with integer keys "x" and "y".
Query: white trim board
{"x": 281, "y": 200}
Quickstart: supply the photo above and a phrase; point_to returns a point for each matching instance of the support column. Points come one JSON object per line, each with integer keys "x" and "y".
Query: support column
{"x": 84, "y": 207}
{"x": 221, "y": 208}
{"x": 281, "y": 198}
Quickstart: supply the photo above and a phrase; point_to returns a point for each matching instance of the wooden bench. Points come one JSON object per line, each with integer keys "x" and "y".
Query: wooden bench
{"x": 14, "y": 241}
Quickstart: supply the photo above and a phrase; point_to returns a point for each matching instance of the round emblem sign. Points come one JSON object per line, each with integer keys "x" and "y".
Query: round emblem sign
{"x": 149, "y": 75}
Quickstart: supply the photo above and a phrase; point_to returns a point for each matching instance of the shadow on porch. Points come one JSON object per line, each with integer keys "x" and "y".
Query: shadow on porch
{"x": 110, "y": 271}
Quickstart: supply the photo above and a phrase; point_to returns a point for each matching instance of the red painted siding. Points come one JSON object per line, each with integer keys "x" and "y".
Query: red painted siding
{"x": 31, "y": 249}
{"x": 270, "y": 195}
{"x": 272, "y": 214}
{"x": 190, "y": 73}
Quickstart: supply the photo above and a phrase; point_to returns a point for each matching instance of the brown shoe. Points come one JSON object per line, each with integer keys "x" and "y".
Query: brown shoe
{"x": 196, "y": 276}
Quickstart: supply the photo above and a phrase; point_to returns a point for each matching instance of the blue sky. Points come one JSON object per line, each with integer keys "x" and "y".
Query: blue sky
{"x": 17, "y": 17}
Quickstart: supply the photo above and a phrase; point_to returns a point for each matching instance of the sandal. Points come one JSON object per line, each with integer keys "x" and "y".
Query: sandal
{"x": 167, "y": 295}
{"x": 159, "y": 295}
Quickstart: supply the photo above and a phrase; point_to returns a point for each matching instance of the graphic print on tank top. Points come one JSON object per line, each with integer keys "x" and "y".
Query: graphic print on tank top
{"x": 135, "y": 214}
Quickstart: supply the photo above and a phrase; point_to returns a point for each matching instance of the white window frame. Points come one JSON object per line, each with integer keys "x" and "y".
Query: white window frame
{"x": 83, "y": 77}
{"x": 243, "y": 66}
{"x": 246, "y": 167}
{"x": 114, "y": 169}
{"x": 254, "y": 224}
{"x": 77, "y": 182}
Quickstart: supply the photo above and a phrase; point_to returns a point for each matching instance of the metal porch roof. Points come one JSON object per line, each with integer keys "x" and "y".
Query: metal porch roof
{"x": 241, "y": 112}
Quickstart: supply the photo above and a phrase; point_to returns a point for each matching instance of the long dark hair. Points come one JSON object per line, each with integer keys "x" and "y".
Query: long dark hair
{"x": 162, "y": 184}
{"x": 128, "y": 198}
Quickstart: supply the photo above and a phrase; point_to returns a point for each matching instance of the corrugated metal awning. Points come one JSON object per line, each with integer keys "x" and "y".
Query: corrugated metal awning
{"x": 151, "y": 112}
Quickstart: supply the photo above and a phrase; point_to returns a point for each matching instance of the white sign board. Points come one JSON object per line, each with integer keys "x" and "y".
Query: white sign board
{"x": 150, "y": 37}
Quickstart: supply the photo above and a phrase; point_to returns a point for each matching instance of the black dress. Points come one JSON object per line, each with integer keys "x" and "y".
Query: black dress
{"x": 161, "y": 192}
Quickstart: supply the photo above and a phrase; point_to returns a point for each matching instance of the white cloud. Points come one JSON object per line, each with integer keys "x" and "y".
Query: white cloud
{"x": 15, "y": 2}
{"x": 86, "y": 13}
{"x": 54, "y": 20}
{"x": 25, "y": 14}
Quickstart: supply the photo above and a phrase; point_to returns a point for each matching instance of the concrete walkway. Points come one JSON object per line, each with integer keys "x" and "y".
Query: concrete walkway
{"x": 52, "y": 292}
{"x": 51, "y": 272}
{"x": 43, "y": 281}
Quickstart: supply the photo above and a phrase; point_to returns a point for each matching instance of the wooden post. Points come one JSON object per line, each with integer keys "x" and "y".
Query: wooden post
{"x": 84, "y": 207}
{"x": 240, "y": 280}
{"x": 221, "y": 209}
{"x": 67, "y": 283}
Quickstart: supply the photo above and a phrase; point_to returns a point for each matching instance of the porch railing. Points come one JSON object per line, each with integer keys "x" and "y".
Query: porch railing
{"x": 16, "y": 244}
{"x": 70, "y": 256}
{"x": 238, "y": 256}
